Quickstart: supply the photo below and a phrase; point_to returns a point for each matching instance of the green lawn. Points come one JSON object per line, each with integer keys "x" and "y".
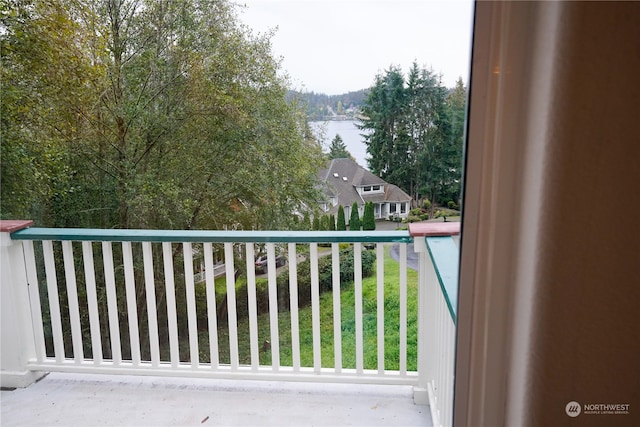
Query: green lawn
{"x": 392, "y": 327}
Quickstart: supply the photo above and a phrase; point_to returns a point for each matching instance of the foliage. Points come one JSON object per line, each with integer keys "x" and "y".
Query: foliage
{"x": 320, "y": 106}
{"x": 348, "y": 332}
{"x": 148, "y": 114}
{"x": 282, "y": 282}
{"x": 341, "y": 225}
{"x": 414, "y": 132}
{"x": 354, "y": 219}
{"x": 338, "y": 149}
{"x": 332, "y": 222}
{"x": 368, "y": 218}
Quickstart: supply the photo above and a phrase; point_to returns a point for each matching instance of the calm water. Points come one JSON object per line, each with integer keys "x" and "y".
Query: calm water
{"x": 349, "y": 133}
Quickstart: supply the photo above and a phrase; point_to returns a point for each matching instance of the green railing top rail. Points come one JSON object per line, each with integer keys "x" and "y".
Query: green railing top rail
{"x": 215, "y": 236}
{"x": 445, "y": 256}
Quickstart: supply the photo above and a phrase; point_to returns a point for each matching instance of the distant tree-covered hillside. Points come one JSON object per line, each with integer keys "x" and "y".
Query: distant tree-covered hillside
{"x": 325, "y": 107}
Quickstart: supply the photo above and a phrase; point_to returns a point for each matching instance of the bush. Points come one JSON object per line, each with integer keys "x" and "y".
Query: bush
{"x": 325, "y": 276}
{"x": 452, "y": 205}
{"x": 354, "y": 219}
{"x": 414, "y": 218}
{"x": 282, "y": 285}
{"x": 369, "y": 219}
{"x": 426, "y": 204}
{"x": 446, "y": 213}
{"x": 416, "y": 212}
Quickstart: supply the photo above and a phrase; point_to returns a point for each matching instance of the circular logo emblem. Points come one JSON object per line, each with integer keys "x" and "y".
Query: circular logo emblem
{"x": 573, "y": 409}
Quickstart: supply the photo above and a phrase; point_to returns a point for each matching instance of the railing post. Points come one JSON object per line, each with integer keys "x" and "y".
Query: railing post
{"x": 16, "y": 330}
{"x": 420, "y": 391}
{"x": 433, "y": 353}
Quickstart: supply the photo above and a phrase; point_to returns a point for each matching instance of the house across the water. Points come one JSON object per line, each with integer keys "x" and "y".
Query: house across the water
{"x": 345, "y": 182}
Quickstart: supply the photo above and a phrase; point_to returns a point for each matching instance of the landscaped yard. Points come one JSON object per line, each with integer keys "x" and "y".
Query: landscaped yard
{"x": 392, "y": 326}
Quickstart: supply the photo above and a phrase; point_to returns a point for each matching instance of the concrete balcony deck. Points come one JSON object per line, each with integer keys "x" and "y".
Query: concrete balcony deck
{"x": 66, "y": 399}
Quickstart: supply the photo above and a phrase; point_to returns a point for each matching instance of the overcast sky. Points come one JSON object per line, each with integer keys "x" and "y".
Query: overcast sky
{"x": 337, "y": 46}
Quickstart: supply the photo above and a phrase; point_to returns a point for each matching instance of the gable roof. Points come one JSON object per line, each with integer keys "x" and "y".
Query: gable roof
{"x": 341, "y": 178}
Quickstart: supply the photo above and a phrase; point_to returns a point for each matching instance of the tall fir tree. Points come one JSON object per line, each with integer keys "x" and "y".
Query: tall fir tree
{"x": 338, "y": 149}
{"x": 414, "y": 131}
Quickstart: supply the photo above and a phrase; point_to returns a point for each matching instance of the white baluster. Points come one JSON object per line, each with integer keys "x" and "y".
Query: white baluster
{"x": 380, "y": 305}
{"x": 357, "y": 284}
{"x": 231, "y": 305}
{"x": 337, "y": 318}
{"x": 132, "y": 308}
{"x": 172, "y": 316}
{"x": 293, "y": 303}
{"x": 72, "y": 300}
{"x": 112, "y": 303}
{"x": 211, "y": 305}
{"x": 251, "y": 299}
{"x": 315, "y": 307}
{"x": 92, "y": 302}
{"x": 54, "y": 302}
{"x": 403, "y": 308}
{"x": 150, "y": 290}
{"x": 34, "y": 298}
{"x": 191, "y": 305}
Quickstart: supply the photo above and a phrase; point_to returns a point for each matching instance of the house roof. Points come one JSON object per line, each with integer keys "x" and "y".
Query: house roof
{"x": 343, "y": 176}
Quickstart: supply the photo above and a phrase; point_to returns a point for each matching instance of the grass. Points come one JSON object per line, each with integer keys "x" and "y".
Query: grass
{"x": 348, "y": 340}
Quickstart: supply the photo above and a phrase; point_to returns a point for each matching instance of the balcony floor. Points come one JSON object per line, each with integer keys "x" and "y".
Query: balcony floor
{"x": 62, "y": 399}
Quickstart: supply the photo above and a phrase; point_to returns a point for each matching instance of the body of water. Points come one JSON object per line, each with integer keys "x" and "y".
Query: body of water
{"x": 349, "y": 133}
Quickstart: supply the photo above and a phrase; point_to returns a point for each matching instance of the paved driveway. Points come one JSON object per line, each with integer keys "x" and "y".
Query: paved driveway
{"x": 412, "y": 256}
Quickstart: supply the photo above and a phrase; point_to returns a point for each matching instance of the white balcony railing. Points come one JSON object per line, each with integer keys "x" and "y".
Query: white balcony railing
{"x": 127, "y": 302}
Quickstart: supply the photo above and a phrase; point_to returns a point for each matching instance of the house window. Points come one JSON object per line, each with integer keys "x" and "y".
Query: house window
{"x": 403, "y": 208}
{"x": 375, "y": 188}
{"x": 392, "y": 208}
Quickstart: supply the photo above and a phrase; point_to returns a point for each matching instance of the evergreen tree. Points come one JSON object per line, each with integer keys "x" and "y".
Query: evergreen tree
{"x": 338, "y": 149}
{"x": 316, "y": 223}
{"x": 306, "y": 222}
{"x": 354, "y": 219}
{"x": 368, "y": 218}
{"x": 332, "y": 223}
{"x": 341, "y": 225}
{"x": 415, "y": 131}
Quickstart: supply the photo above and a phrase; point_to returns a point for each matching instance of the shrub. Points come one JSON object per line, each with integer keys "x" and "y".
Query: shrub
{"x": 416, "y": 212}
{"x": 354, "y": 219}
{"x": 426, "y": 204}
{"x": 369, "y": 219}
{"x": 282, "y": 285}
{"x": 414, "y": 218}
{"x": 452, "y": 205}
{"x": 325, "y": 276}
{"x": 341, "y": 225}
